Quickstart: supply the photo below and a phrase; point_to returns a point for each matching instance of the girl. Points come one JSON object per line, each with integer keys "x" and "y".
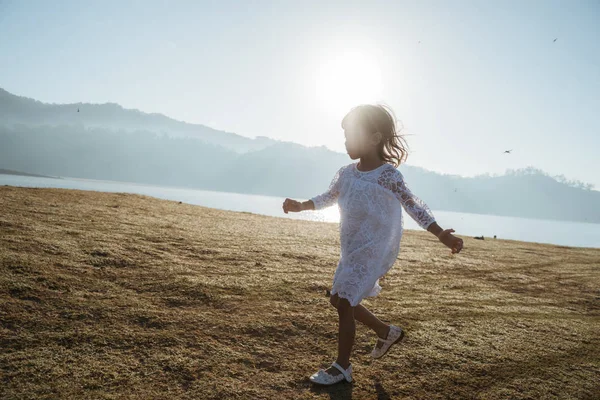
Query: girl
{"x": 370, "y": 194}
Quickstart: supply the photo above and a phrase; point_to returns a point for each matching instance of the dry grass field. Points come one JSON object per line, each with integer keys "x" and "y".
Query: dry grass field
{"x": 120, "y": 296}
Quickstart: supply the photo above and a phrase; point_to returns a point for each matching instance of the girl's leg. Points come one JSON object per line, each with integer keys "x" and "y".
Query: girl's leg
{"x": 365, "y": 316}
{"x": 362, "y": 314}
{"x": 346, "y": 333}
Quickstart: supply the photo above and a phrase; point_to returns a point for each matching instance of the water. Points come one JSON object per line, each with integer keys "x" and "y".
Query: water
{"x": 565, "y": 233}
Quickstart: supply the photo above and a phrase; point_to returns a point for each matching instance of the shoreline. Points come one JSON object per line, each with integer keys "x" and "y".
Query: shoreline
{"x": 20, "y": 173}
{"x": 158, "y": 186}
{"x": 488, "y": 237}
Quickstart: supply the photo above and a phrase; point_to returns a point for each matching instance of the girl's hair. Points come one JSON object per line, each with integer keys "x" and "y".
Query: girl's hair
{"x": 380, "y": 118}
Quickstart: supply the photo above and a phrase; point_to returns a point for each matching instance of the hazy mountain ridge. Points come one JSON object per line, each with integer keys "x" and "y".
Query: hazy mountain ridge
{"x": 114, "y": 143}
{"x": 17, "y": 109}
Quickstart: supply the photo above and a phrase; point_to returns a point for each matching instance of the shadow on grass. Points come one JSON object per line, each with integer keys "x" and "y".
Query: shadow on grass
{"x": 338, "y": 391}
{"x": 343, "y": 390}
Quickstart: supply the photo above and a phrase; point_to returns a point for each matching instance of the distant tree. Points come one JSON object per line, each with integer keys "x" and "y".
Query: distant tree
{"x": 573, "y": 182}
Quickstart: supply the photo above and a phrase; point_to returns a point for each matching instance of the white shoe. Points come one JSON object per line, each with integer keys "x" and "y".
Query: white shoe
{"x": 324, "y": 378}
{"x": 394, "y": 336}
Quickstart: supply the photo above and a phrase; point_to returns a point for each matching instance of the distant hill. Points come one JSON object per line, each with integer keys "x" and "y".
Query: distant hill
{"x": 106, "y": 141}
{"x": 15, "y": 109}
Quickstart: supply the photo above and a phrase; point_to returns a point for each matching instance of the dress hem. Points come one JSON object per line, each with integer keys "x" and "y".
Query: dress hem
{"x": 373, "y": 293}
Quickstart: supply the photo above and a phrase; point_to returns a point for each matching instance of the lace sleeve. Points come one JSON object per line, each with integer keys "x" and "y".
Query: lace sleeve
{"x": 329, "y": 197}
{"x": 414, "y": 206}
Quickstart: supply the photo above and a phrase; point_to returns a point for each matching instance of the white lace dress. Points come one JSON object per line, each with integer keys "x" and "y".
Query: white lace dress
{"x": 371, "y": 225}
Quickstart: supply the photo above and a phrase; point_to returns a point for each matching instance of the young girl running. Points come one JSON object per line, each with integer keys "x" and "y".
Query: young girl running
{"x": 370, "y": 194}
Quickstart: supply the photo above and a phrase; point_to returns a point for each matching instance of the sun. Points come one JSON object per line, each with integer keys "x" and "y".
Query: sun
{"x": 346, "y": 80}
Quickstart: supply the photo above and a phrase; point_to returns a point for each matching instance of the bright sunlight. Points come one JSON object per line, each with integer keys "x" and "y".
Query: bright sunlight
{"x": 346, "y": 80}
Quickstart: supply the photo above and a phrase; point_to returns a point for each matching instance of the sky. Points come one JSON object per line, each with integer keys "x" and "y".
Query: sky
{"x": 466, "y": 79}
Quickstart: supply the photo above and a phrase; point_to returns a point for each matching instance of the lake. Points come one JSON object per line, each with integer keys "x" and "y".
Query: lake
{"x": 565, "y": 233}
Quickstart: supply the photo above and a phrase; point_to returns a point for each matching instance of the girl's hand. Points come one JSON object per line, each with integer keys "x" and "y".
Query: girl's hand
{"x": 292, "y": 205}
{"x": 451, "y": 241}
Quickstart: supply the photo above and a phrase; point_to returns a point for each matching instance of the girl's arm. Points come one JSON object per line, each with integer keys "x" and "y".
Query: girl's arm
{"x": 435, "y": 229}
{"x": 307, "y": 205}
{"x": 323, "y": 200}
{"x": 422, "y": 214}
{"x": 327, "y": 198}
{"x": 414, "y": 206}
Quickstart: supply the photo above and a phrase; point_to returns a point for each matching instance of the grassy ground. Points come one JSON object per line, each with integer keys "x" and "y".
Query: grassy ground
{"x": 118, "y": 296}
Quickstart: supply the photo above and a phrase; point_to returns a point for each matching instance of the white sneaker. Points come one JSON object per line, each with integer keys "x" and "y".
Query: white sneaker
{"x": 394, "y": 336}
{"x": 322, "y": 377}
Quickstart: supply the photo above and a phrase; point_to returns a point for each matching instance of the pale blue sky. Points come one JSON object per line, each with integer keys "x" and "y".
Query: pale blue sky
{"x": 485, "y": 77}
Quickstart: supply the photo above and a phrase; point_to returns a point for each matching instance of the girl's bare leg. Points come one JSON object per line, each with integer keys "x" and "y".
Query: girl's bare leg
{"x": 362, "y": 314}
{"x": 346, "y": 333}
{"x": 347, "y": 329}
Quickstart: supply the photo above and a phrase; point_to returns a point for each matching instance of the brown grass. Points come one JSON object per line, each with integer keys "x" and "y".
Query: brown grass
{"x": 118, "y": 296}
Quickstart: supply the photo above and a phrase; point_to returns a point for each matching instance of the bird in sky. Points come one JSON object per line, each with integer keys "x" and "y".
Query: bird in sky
{"x": 78, "y": 110}
{"x": 554, "y": 40}
{"x": 508, "y": 151}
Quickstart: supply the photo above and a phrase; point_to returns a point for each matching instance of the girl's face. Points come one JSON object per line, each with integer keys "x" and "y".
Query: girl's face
{"x": 358, "y": 141}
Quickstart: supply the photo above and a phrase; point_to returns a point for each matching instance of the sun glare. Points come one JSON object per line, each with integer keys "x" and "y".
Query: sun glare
{"x": 346, "y": 80}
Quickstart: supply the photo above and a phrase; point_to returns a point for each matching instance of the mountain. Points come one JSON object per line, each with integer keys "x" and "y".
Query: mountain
{"x": 106, "y": 141}
{"x": 283, "y": 169}
{"x": 15, "y": 109}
